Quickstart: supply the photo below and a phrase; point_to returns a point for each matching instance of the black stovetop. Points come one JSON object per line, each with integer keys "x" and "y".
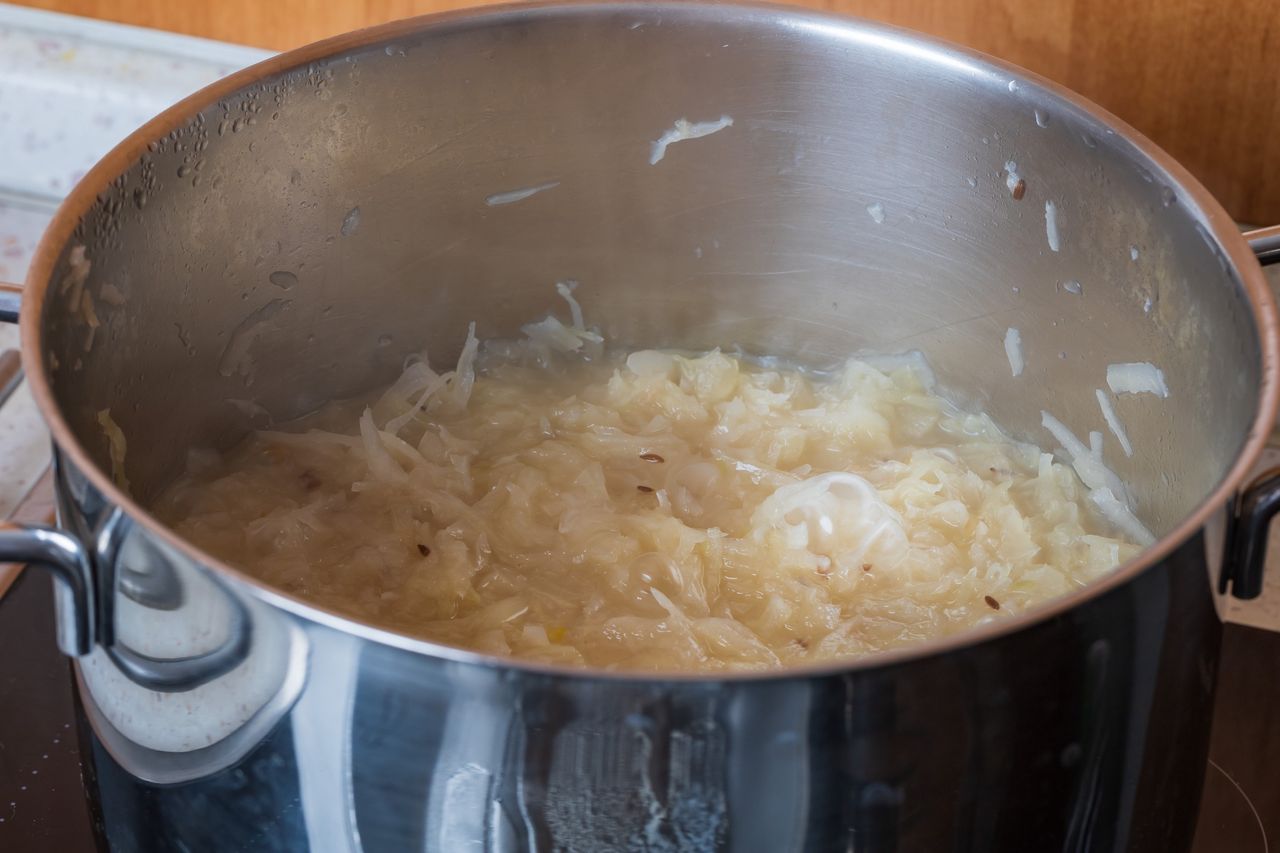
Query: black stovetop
{"x": 43, "y": 805}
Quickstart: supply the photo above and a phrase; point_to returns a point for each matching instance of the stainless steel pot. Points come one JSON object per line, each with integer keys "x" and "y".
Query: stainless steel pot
{"x": 287, "y": 235}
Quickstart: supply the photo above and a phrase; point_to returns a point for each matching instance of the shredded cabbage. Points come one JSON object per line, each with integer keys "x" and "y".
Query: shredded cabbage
{"x": 1140, "y": 377}
{"x": 117, "y": 447}
{"x": 659, "y": 510}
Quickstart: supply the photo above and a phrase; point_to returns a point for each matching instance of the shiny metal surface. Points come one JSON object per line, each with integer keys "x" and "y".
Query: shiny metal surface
{"x": 64, "y": 557}
{"x": 1257, "y": 506}
{"x": 1265, "y": 243}
{"x": 10, "y": 300}
{"x": 290, "y": 234}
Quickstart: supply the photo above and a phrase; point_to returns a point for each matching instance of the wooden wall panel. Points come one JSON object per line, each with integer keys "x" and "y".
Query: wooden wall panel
{"x": 1201, "y": 77}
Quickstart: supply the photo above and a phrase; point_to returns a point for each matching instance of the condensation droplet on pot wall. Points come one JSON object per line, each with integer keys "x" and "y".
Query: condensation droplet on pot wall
{"x": 283, "y": 279}
{"x": 876, "y": 210}
{"x": 1042, "y": 118}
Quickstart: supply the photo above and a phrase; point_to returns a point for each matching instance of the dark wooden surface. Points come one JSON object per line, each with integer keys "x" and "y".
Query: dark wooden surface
{"x": 43, "y": 805}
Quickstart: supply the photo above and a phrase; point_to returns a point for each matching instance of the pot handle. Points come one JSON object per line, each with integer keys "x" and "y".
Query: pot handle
{"x": 68, "y": 562}
{"x": 164, "y": 675}
{"x": 82, "y": 624}
{"x": 1259, "y": 502}
{"x": 1247, "y": 539}
{"x": 10, "y": 301}
{"x": 1265, "y": 243}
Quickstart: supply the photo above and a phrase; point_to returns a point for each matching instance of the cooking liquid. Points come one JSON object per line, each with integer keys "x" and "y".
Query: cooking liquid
{"x": 651, "y": 511}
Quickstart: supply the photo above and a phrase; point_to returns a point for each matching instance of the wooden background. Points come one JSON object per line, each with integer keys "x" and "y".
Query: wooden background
{"x": 1200, "y": 77}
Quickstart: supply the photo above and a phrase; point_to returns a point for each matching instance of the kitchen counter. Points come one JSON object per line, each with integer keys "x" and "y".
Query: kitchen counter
{"x": 69, "y": 90}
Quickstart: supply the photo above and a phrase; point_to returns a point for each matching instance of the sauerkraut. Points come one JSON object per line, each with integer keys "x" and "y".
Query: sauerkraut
{"x": 655, "y": 510}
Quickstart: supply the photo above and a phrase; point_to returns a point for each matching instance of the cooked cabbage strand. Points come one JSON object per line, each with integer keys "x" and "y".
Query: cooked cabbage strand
{"x": 650, "y": 511}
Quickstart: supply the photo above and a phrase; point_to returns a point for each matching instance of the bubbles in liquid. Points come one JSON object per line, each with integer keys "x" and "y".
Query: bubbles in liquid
{"x": 283, "y": 279}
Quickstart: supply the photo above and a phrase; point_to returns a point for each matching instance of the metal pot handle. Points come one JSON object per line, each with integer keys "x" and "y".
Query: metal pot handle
{"x": 1247, "y": 538}
{"x": 68, "y": 561}
{"x": 161, "y": 591}
{"x": 85, "y": 615}
{"x": 1258, "y": 503}
{"x": 1265, "y": 243}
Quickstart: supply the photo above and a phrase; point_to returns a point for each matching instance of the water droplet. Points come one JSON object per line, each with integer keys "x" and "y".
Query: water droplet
{"x": 384, "y": 340}
{"x": 184, "y": 170}
{"x": 351, "y": 222}
{"x": 1072, "y": 286}
{"x": 1167, "y": 196}
{"x": 1088, "y": 140}
{"x": 283, "y": 279}
{"x": 1133, "y": 253}
{"x": 1042, "y": 118}
{"x": 139, "y": 198}
{"x": 1013, "y": 86}
{"x": 236, "y": 125}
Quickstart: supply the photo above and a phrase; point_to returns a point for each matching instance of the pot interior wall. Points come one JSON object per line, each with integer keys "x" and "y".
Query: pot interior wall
{"x": 294, "y": 242}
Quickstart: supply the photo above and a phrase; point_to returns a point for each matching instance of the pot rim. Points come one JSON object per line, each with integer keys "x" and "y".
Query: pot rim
{"x": 921, "y": 47}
